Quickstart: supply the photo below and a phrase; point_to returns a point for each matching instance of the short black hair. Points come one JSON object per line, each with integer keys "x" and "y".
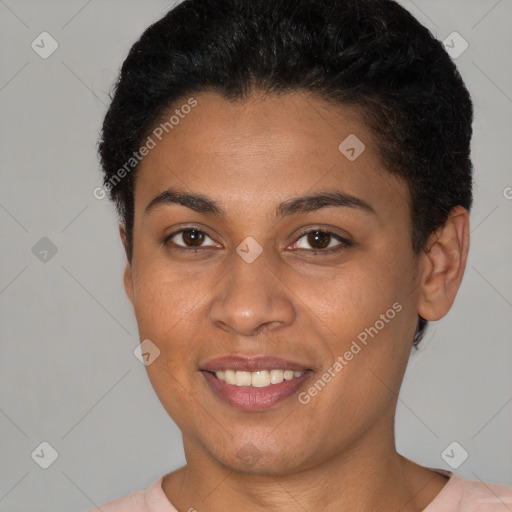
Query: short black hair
{"x": 371, "y": 54}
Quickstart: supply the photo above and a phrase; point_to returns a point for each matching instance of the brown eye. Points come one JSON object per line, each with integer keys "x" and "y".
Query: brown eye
{"x": 318, "y": 239}
{"x": 187, "y": 238}
{"x": 322, "y": 241}
{"x": 193, "y": 237}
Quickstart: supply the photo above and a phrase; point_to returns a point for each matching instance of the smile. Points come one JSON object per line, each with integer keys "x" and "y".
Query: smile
{"x": 258, "y": 379}
{"x": 255, "y": 391}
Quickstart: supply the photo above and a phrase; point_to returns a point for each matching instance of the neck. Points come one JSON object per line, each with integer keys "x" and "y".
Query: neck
{"x": 369, "y": 476}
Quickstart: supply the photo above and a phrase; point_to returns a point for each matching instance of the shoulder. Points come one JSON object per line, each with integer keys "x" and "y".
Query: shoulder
{"x": 478, "y": 496}
{"x": 461, "y": 495}
{"x": 133, "y": 502}
{"x": 151, "y": 499}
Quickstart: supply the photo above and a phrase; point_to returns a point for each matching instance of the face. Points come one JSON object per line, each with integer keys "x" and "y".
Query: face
{"x": 250, "y": 279}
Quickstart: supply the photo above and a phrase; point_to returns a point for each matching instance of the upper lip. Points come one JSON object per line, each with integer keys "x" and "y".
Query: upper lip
{"x": 251, "y": 364}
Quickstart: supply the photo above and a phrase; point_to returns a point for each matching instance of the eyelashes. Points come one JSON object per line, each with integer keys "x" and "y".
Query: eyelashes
{"x": 196, "y": 237}
{"x": 313, "y": 234}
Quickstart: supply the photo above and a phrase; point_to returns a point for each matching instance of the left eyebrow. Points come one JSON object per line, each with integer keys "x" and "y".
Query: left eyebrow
{"x": 323, "y": 199}
{"x": 294, "y": 206}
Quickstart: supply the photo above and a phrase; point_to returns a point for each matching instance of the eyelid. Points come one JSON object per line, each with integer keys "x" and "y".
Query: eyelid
{"x": 167, "y": 238}
{"x": 326, "y": 230}
{"x": 343, "y": 241}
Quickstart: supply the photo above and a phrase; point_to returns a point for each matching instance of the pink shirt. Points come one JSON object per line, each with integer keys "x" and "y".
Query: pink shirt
{"x": 458, "y": 495}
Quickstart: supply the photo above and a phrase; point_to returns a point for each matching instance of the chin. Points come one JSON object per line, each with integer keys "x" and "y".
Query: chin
{"x": 259, "y": 460}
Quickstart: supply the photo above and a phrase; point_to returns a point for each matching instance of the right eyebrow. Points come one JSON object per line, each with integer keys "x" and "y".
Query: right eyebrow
{"x": 196, "y": 202}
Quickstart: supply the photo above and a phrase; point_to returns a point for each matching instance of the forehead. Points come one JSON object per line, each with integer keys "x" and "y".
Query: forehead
{"x": 285, "y": 123}
{"x": 270, "y": 147}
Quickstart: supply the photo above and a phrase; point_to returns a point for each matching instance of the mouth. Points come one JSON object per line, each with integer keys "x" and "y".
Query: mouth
{"x": 254, "y": 384}
{"x": 258, "y": 379}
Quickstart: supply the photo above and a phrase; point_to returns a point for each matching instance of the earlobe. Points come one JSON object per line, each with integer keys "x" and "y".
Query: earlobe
{"x": 127, "y": 275}
{"x": 443, "y": 265}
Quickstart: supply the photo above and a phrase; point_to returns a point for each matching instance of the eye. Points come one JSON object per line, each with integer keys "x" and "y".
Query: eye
{"x": 187, "y": 238}
{"x": 322, "y": 240}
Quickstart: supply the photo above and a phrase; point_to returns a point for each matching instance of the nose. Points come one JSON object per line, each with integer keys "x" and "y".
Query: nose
{"x": 252, "y": 298}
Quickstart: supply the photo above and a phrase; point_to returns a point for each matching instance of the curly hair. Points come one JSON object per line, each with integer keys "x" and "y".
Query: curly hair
{"x": 372, "y": 54}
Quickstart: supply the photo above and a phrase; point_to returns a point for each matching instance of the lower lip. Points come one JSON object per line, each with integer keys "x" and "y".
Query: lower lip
{"x": 251, "y": 398}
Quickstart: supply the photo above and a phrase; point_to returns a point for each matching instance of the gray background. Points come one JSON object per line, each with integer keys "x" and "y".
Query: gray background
{"x": 68, "y": 373}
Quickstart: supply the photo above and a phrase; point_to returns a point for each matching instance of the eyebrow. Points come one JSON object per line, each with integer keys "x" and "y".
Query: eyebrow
{"x": 294, "y": 206}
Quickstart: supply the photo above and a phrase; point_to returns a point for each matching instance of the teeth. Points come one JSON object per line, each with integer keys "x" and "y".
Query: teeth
{"x": 229, "y": 376}
{"x": 243, "y": 378}
{"x": 276, "y": 376}
{"x": 258, "y": 379}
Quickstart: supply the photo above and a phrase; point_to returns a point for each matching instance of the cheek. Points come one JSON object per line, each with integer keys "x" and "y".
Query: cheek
{"x": 371, "y": 321}
{"x": 356, "y": 296}
{"x": 166, "y": 306}
{"x": 163, "y": 297}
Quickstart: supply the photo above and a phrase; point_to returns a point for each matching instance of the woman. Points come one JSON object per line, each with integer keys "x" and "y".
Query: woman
{"x": 294, "y": 184}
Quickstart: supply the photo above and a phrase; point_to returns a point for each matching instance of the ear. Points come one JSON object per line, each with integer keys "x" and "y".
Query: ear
{"x": 127, "y": 276}
{"x": 443, "y": 265}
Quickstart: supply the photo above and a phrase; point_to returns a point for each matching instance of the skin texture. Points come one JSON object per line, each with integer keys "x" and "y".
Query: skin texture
{"x": 336, "y": 452}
